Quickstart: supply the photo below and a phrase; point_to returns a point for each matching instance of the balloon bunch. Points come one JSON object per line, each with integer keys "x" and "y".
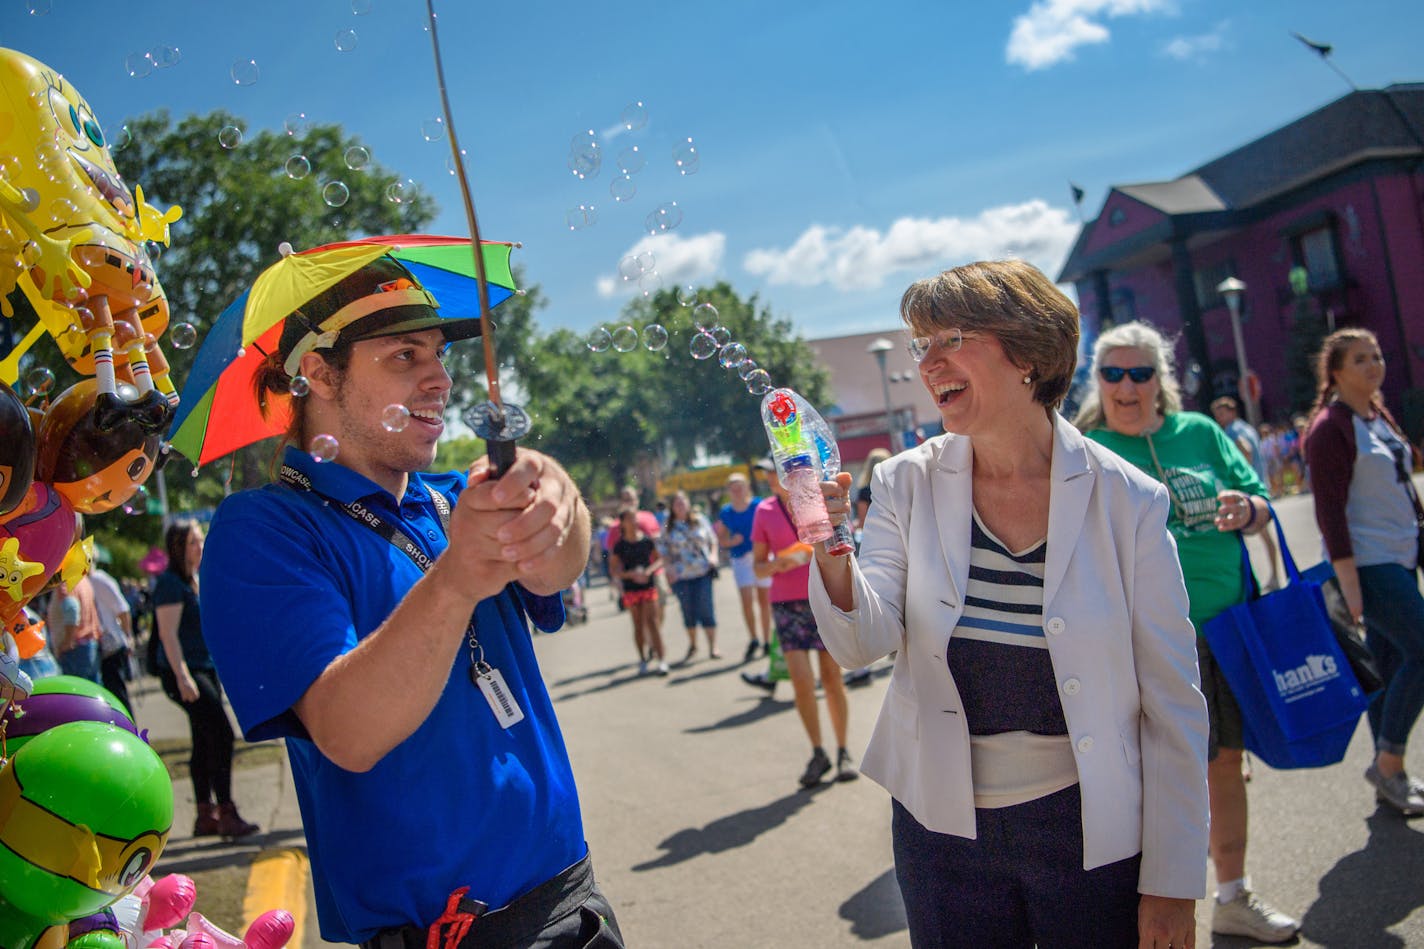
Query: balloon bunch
{"x": 86, "y": 807}
{"x": 152, "y": 917}
{"x": 74, "y": 240}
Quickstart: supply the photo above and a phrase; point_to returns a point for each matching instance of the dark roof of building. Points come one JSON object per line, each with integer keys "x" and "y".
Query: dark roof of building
{"x": 1357, "y": 127}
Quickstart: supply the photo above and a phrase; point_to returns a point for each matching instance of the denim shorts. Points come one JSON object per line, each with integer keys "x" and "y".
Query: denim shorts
{"x": 694, "y": 595}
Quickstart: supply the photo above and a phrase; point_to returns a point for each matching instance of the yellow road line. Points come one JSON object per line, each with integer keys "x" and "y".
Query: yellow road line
{"x": 278, "y": 880}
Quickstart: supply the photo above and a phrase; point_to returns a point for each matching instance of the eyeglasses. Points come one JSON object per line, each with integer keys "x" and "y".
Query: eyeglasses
{"x": 1138, "y": 374}
{"x": 947, "y": 340}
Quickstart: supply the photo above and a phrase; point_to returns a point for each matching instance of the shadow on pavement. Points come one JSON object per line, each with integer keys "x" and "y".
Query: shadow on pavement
{"x": 730, "y": 832}
{"x": 1369, "y": 890}
{"x": 877, "y": 909}
{"x": 195, "y": 856}
{"x": 766, "y": 708}
{"x": 711, "y": 672}
{"x": 594, "y": 674}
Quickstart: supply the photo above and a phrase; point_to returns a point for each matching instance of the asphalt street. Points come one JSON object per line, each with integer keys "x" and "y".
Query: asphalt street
{"x": 701, "y": 837}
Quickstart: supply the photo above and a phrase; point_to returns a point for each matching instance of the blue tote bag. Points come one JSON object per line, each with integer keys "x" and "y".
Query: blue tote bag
{"x": 1299, "y": 700}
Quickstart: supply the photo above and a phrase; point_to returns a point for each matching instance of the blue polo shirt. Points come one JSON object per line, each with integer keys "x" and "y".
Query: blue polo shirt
{"x": 289, "y": 583}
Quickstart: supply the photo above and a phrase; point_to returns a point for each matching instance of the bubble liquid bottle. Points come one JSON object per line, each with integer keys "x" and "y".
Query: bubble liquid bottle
{"x": 805, "y": 452}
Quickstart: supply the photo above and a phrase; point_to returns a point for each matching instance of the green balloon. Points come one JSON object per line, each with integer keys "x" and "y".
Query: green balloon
{"x": 93, "y": 806}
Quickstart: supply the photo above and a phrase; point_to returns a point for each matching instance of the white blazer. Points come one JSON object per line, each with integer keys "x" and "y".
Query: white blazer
{"x": 1115, "y": 619}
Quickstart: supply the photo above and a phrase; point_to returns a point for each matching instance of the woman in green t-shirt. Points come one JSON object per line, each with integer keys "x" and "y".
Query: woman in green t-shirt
{"x": 1135, "y": 409}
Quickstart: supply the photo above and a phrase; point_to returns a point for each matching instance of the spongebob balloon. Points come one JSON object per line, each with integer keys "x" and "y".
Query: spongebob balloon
{"x": 72, "y": 237}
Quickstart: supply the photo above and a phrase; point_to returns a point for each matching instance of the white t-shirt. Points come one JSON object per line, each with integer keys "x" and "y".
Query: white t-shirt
{"x": 110, "y": 603}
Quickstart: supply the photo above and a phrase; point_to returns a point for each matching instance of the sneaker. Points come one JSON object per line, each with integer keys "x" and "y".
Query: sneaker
{"x": 859, "y": 676}
{"x": 845, "y": 767}
{"x": 759, "y": 679}
{"x": 816, "y": 769}
{"x": 751, "y": 652}
{"x": 662, "y": 668}
{"x": 642, "y": 667}
{"x": 1249, "y": 915}
{"x": 1398, "y": 791}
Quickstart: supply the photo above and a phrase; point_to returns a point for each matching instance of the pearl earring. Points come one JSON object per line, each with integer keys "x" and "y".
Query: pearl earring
{"x": 1028, "y": 380}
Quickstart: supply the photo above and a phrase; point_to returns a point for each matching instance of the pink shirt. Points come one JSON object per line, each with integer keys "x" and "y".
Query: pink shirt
{"x": 647, "y": 523}
{"x": 772, "y": 526}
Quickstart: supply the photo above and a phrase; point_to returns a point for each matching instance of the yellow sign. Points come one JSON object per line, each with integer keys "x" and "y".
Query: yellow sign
{"x": 703, "y": 479}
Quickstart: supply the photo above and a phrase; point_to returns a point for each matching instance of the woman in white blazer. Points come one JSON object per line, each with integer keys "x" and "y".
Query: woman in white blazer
{"x": 1043, "y": 735}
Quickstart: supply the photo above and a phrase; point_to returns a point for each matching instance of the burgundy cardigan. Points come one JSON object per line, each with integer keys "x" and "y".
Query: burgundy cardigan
{"x": 1330, "y": 452}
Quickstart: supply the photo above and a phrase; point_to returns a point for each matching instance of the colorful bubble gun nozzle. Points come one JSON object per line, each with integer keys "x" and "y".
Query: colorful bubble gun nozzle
{"x": 806, "y": 454}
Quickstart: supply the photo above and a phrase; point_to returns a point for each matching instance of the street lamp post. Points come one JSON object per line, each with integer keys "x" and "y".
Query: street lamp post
{"x": 1233, "y": 289}
{"x": 878, "y": 348}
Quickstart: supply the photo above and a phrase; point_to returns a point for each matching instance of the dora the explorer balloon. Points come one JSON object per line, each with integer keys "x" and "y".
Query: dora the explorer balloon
{"x": 72, "y": 238}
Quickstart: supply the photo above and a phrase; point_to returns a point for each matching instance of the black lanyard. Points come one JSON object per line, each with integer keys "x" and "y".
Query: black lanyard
{"x": 362, "y": 514}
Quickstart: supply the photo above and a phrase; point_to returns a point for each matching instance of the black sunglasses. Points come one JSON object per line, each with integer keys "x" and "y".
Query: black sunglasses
{"x": 1138, "y": 374}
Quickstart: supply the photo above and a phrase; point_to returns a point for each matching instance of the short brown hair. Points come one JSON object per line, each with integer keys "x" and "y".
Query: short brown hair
{"x": 1014, "y": 302}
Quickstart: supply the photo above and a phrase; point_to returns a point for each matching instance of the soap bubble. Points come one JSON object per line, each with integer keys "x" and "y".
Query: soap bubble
{"x": 599, "y": 339}
{"x": 450, "y": 165}
{"x": 747, "y": 367}
{"x": 635, "y": 116}
{"x": 299, "y": 386}
{"x": 296, "y": 123}
{"x": 686, "y": 158}
{"x": 395, "y": 192}
{"x": 335, "y": 193}
{"x": 585, "y": 155}
{"x": 664, "y": 218}
{"x": 138, "y": 65}
{"x": 703, "y": 346}
{"x": 732, "y": 355}
{"x": 183, "y": 335}
{"x": 39, "y": 380}
{"x": 686, "y": 294}
{"x": 345, "y": 40}
{"x": 585, "y": 215}
{"x": 650, "y": 283}
{"x": 357, "y": 158}
{"x": 244, "y": 72}
{"x": 298, "y": 167}
{"x": 395, "y": 417}
{"x": 323, "y": 447}
{"x": 655, "y": 337}
{"x": 121, "y": 139}
{"x": 165, "y": 56}
{"x": 625, "y": 339}
{"x": 759, "y": 382}
{"x": 704, "y": 316}
{"x": 433, "y": 130}
{"x": 360, "y": 7}
{"x": 721, "y": 334}
{"x": 631, "y": 160}
{"x": 647, "y": 260}
{"x": 230, "y": 136}
{"x": 38, "y": 7}
{"x": 630, "y": 268}
{"x": 622, "y": 188}
{"x": 136, "y": 503}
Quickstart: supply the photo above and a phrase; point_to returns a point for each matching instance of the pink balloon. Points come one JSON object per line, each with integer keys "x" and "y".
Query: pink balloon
{"x": 169, "y": 901}
{"x": 164, "y": 942}
{"x": 272, "y": 930}
{"x": 197, "y": 941}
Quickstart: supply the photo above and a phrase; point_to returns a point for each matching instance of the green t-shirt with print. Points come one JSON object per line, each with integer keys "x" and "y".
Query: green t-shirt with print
{"x": 1199, "y": 461}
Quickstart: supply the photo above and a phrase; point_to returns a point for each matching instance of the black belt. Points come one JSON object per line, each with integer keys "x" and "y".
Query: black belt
{"x": 470, "y": 924}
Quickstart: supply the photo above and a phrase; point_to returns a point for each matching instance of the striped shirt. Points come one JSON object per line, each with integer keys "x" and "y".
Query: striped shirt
{"x": 998, "y": 656}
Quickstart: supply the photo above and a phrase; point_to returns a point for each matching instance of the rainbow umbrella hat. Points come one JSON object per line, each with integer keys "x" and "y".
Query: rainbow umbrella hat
{"x": 218, "y": 413}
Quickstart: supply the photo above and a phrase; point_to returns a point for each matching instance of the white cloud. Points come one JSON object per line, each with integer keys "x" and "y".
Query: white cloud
{"x": 1052, "y": 29}
{"x": 862, "y": 258}
{"x": 675, "y": 260}
{"x": 1197, "y": 47}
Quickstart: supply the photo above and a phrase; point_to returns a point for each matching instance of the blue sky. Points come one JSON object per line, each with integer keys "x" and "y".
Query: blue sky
{"x": 844, "y": 150}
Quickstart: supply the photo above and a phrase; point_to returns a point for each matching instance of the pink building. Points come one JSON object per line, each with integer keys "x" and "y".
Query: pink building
{"x": 1339, "y": 193}
{"x": 859, "y": 414}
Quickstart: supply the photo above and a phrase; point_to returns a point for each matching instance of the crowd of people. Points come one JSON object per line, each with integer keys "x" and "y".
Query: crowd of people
{"x": 1055, "y": 729}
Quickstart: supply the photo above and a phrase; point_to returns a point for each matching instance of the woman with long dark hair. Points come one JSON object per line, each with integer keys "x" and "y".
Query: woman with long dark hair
{"x": 186, "y": 671}
{"x": 689, "y": 548}
{"x": 1365, "y": 505}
